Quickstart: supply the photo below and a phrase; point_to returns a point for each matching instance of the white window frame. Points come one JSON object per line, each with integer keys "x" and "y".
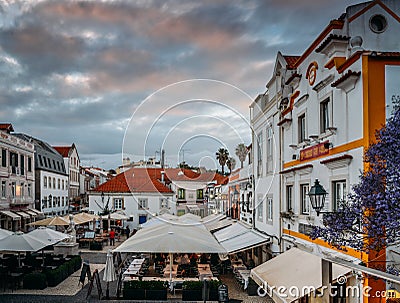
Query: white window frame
{"x": 289, "y": 197}
{"x": 270, "y": 209}
{"x": 143, "y": 203}
{"x": 4, "y": 188}
{"x": 339, "y": 188}
{"x": 302, "y": 127}
{"x": 270, "y": 149}
{"x": 118, "y": 203}
{"x": 260, "y": 207}
{"x": 259, "y": 144}
{"x": 164, "y": 203}
{"x": 304, "y": 201}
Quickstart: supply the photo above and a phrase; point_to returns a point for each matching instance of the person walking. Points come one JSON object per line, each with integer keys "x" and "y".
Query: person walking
{"x": 127, "y": 231}
{"x": 112, "y": 237}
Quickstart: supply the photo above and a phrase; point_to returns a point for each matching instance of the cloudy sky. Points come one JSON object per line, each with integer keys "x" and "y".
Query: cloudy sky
{"x": 112, "y": 76}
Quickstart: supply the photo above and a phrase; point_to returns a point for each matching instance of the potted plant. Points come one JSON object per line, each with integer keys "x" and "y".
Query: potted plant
{"x": 134, "y": 290}
{"x": 213, "y": 286}
{"x": 192, "y": 291}
{"x": 155, "y": 290}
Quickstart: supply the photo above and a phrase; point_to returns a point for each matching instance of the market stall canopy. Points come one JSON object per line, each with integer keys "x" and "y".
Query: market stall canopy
{"x": 238, "y": 237}
{"x": 81, "y": 218}
{"x": 20, "y": 242}
{"x": 5, "y": 233}
{"x": 171, "y": 238}
{"x": 293, "y": 268}
{"x": 48, "y": 235}
{"x": 158, "y": 220}
{"x": 54, "y": 221}
{"x": 118, "y": 216}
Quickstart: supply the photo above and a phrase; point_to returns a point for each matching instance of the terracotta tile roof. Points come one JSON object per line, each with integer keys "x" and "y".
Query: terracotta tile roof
{"x": 149, "y": 180}
{"x": 291, "y": 60}
{"x": 6, "y": 127}
{"x": 63, "y": 150}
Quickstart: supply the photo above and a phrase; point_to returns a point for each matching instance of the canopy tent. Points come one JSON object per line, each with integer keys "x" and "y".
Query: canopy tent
{"x": 53, "y": 221}
{"x": 48, "y": 235}
{"x": 293, "y": 268}
{"x": 171, "y": 238}
{"x": 158, "y": 220}
{"x": 81, "y": 218}
{"x": 5, "y": 233}
{"x": 118, "y": 216}
{"x": 238, "y": 237}
{"x": 213, "y": 226}
{"x": 20, "y": 242}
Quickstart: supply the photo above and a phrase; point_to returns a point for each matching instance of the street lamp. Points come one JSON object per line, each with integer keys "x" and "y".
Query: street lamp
{"x": 317, "y": 196}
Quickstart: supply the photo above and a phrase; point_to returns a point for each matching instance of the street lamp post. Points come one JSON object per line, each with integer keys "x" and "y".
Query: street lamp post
{"x": 317, "y": 196}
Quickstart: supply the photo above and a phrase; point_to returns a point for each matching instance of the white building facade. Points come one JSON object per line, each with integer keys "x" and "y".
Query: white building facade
{"x": 17, "y": 180}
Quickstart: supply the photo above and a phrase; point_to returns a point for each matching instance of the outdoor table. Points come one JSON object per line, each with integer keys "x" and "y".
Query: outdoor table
{"x": 204, "y": 271}
{"x": 238, "y": 266}
{"x": 130, "y": 272}
{"x": 167, "y": 270}
{"x": 138, "y": 261}
{"x": 245, "y": 274}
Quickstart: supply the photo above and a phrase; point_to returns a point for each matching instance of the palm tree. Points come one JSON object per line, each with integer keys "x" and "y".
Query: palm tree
{"x": 231, "y": 163}
{"x": 241, "y": 152}
{"x": 222, "y": 156}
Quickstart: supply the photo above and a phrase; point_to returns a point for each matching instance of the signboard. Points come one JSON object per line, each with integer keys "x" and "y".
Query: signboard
{"x": 314, "y": 151}
{"x": 392, "y": 87}
{"x": 85, "y": 272}
{"x": 99, "y": 290}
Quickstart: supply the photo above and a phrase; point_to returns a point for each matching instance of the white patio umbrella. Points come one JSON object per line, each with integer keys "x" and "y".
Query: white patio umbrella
{"x": 48, "y": 235}
{"x": 109, "y": 272}
{"x": 5, "y": 233}
{"x": 19, "y": 242}
{"x": 54, "y": 221}
{"x": 172, "y": 238}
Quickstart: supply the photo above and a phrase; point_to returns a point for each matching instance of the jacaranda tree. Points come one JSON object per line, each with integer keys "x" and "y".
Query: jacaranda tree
{"x": 370, "y": 219}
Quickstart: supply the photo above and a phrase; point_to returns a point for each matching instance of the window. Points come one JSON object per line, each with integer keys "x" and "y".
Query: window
{"x": 259, "y": 154}
{"x": 63, "y": 185}
{"x": 40, "y": 160}
{"x": 58, "y": 165}
{"x": 54, "y": 164}
{"x": 260, "y": 207}
{"x": 4, "y": 157}
{"x": 302, "y": 128}
{"x": 181, "y": 193}
{"x": 45, "y": 182}
{"x": 13, "y": 189}
{"x": 270, "y": 149}
{"x": 29, "y": 164}
{"x": 324, "y": 115}
{"x": 30, "y": 190}
{"x": 163, "y": 203}
{"x": 14, "y": 162}
{"x": 49, "y": 182}
{"x": 59, "y": 184}
{"x": 269, "y": 209}
{"x": 339, "y": 193}
{"x": 143, "y": 203}
{"x": 305, "y": 205}
{"x": 199, "y": 194}
{"x": 59, "y": 201}
{"x": 62, "y": 202}
{"x": 3, "y": 189}
{"x": 118, "y": 203}
{"x": 54, "y": 183}
{"x": 22, "y": 159}
{"x": 44, "y": 202}
{"x": 289, "y": 198}
{"x": 21, "y": 190}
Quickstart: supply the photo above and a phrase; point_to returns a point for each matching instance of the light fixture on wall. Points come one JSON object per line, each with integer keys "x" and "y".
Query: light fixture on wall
{"x": 317, "y": 196}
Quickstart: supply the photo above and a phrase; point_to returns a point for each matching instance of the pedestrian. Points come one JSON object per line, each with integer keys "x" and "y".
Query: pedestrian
{"x": 128, "y": 231}
{"x": 112, "y": 237}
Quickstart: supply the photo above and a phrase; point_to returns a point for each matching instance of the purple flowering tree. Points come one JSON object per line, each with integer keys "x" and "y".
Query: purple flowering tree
{"x": 370, "y": 219}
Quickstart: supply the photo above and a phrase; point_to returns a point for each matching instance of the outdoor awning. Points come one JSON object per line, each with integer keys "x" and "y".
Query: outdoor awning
{"x": 237, "y": 237}
{"x": 31, "y": 213}
{"x": 10, "y": 214}
{"x": 22, "y": 214}
{"x": 193, "y": 207}
{"x": 293, "y": 268}
{"x": 215, "y": 226}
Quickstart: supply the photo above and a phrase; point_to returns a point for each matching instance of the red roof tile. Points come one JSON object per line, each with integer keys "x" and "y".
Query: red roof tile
{"x": 291, "y": 60}
{"x": 149, "y": 180}
{"x": 63, "y": 150}
{"x": 6, "y": 127}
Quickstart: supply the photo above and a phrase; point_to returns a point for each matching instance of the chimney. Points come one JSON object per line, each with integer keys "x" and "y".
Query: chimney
{"x": 162, "y": 158}
{"x": 162, "y": 176}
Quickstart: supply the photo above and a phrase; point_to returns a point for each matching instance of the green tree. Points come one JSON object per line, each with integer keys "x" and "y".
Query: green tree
{"x": 241, "y": 153}
{"x": 231, "y": 163}
{"x": 222, "y": 156}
